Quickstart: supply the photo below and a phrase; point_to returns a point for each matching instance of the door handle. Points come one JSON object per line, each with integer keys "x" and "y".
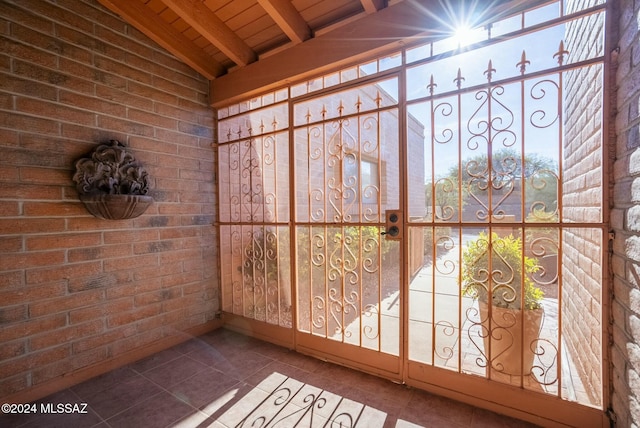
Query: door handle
{"x": 393, "y": 231}
{"x": 393, "y": 225}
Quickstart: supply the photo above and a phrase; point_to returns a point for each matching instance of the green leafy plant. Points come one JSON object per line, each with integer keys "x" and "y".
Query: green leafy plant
{"x": 500, "y": 274}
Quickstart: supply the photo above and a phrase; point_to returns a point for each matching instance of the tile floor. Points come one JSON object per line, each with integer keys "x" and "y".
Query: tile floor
{"x": 224, "y": 379}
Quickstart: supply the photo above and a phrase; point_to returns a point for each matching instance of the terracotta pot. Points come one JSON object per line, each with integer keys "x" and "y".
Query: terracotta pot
{"x": 511, "y": 347}
{"x": 116, "y": 207}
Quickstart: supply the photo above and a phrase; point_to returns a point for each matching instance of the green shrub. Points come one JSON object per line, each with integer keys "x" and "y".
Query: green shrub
{"x": 505, "y": 279}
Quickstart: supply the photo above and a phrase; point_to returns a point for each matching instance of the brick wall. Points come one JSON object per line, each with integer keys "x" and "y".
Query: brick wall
{"x": 582, "y": 202}
{"x": 76, "y": 291}
{"x": 625, "y": 221}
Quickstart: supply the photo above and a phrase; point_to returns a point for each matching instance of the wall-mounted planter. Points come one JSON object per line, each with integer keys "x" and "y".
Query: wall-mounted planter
{"x": 111, "y": 184}
{"x": 116, "y": 207}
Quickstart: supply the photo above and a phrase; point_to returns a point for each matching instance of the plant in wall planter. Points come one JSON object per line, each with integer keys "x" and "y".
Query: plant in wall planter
{"x": 492, "y": 271}
{"x": 111, "y": 184}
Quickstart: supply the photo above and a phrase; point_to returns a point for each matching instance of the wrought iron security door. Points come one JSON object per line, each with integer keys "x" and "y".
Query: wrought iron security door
{"x": 493, "y": 160}
{"x": 347, "y": 164}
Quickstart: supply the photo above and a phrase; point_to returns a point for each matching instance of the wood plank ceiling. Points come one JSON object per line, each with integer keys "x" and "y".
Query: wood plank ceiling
{"x": 249, "y": 46}
{"x": 217, "y": 36}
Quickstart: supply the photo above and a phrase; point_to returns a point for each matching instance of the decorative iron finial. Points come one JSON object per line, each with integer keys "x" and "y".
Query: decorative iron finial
{"x": 489, "y": 71}
{"x": 459, "y": 79}
{"x": 323, "y": 111}
{"x": 431, "y": 86}
{"x": 308, "y": 115}
{"x": 275, "y": 123}
{"x": 378, "y": 99}
{"x": 523, "y": 63}
{"x": 340, "y": 108}
{"x": 358, "y": 104}
{"x": 561, "y": 53}
{"x": 261, "y": 126}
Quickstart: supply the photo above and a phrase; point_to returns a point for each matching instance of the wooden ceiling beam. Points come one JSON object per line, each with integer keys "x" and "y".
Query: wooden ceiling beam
{"x": 373, "y": 34}
{"x": 372, "y": 6}
{"x": 205, "y": 22}
{"x": 146, "y": 21}
{"x": 288, "y": 19}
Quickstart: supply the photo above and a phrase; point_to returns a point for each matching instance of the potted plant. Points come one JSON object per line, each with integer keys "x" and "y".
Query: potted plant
{"x": 111, "y": 184}
{"x": 496, "y": 270}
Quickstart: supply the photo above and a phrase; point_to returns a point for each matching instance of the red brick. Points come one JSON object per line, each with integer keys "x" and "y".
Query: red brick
{"x": 29, "y": 123}
{"x": 92, "y": 224}
{"x": 192, "y": 301}
{"x": 176, "y": 138}
{"x": 156, "y": 221}
{"x": 195, "y": 152}
{"x": 151, "y": 93}
{"x": 14, "y": 384}
{"x": 24, "y": 17}
{"x": 130, "y": 262}
{"x": 67, "y": 114}
{"x": 54, "y": 77}
{"x": 190, "y": 174}
{"x": 94, "y": 13}
{"x": 10, "y": 244}
{"x": 55, "y": 13}
{"x": 90, "y": 133}
{"x": 103, "y": 339}
{"x": 133, "y": 342}
{"x": 125, "y": 126}
{"x": 121, "y": 69}
{"x": 40, "y": 175}
{"x": 98, "y": 252}
{"x": 42, "y": 374}
{"x": 92, "y": 104}
{"x": 12, "y": 314}
{"x": 152, "y": 119}
{"x": 31, "y": 259}
{"x": 101, "y": 310}
{"x": 9, "y": 208}
{"x": 27, "y": 191}
{"x": 181, "y": 278}
{"x": 12, "y": 349}
{"x": 9, "y": 280}
{"x": 30, "y": 327}
{"x": 129, "y": 236}
{"x": 64, "y": 335}
{"x": 54, "y": 273}
{"x": 112, "y": 92}
{"x": 16, "y": 85}
{"x": 129, "y": 43}
{"x": 129, "y": 317}
{"x": 9, "y": 138}
{"x": 153, "y": 145}
{"x": 22, "y": 226}
{"x": 28, "y": 53}
{"x": 66, "y": 303}
{"x": 53, "y": 209}
{"x": 63, "y": 240}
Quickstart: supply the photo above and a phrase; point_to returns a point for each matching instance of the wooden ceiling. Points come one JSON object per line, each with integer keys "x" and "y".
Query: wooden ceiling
{"x": 247, "y": 46}
{"x": 215, "y": 36}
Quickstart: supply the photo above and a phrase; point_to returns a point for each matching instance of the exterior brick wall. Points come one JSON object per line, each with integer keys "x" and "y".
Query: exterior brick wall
{"x": 76, "y": 291}
{"x": 583, "y": 248}
{"x": 625, "y": 221}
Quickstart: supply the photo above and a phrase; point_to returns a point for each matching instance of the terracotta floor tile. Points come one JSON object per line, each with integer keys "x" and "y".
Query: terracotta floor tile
{"x": 222, "y": 378}
{"x": 175, "y": 371}
{"x": 160, "y": 410}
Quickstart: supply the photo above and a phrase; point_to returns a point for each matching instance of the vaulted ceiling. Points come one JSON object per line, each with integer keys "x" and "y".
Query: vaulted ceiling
{"x": 245, "y": 46}
{"x": 214, "y": 36}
